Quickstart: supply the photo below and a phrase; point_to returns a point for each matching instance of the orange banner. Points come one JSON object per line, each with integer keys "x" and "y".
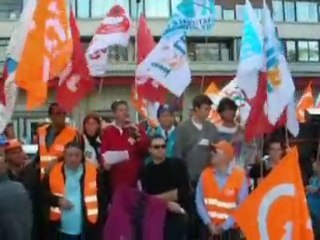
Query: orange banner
{"x": 47, "y": 51}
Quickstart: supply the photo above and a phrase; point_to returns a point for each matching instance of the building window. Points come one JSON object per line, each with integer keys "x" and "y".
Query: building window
{"x": 307, "y": 11}
{"x": 117, "y": 54}
{"x": 308, "y": 51}
{"x": 291, "y": 51}
{"x": 289, "y": 11}
{"x": 228, "y": 14}
{"x": 157, "y": 9}
{"x": 100, "y": 8}
{"x": 239, "y": 12}
{"x": 314, "y": 51}
{"x": 133, "y": 8}
{"x": 212, "y": 50}
{"x": 218, "y": 12}
{"x": 11, "y": 9}
{"x": 277, "y": 10}
{"x": 82, "y": 8}
{"x": 3, "y": 51}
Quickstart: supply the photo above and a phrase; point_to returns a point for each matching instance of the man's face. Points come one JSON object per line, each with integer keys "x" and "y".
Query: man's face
{"x": 275, "y": 152}
{"x": 228, "y": 115}
{"x": 158, "y": 148}
{"x": 218, "y": 158}
{"x": 91, "y": 127}
{"x": 58, "y": 116}
{"x": 73, "y": 157}
{"x": 122, "y": 113}
{"x": 203, "y": 112}
{"x": 166, "y": 120}
{"x": 16, "y": 156}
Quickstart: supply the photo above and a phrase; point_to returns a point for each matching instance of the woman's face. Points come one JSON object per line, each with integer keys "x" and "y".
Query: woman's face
{"x": 91, "y": 127}
{"x": 73, "y": 157}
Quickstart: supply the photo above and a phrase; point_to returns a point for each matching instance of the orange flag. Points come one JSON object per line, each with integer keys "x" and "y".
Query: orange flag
{"x": 47, "y": 51}
{"x": 277, "y": 209}
{"x": 212, "y": 92}
{"x": 306, "y": 101}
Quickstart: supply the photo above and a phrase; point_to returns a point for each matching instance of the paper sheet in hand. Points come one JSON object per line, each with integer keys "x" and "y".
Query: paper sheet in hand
{"x": 113, "y": 157}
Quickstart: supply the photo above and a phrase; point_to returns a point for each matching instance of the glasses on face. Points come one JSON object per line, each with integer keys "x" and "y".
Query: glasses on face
{"x": 157, "y": 147}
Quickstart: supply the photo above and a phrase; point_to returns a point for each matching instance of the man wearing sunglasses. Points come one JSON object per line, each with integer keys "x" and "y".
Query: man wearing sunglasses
{"x": 167, "y": 179}
{"x": 53, "y": 137}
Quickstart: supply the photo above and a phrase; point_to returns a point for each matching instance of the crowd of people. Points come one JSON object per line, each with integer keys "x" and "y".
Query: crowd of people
{"x": 125, "y": 181}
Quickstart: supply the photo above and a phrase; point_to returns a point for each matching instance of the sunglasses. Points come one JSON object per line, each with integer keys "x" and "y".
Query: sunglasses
{"x": 159, "y": 146}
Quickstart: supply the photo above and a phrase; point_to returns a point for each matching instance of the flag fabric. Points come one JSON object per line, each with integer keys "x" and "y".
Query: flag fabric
{"x": 113, "y": 30}
{"x": 168, "y": 61}
{"x": 75, "y": 82}
{"x": 280, "y": 84}
{"x": 47, "y": 51}
{"x": 8, "y": 87}
{"x": 147, "y": 110}
{"x": 147, "y": 88}
{"x": 277, "y": 209}
{"x": 306, "y": 101}
{"x": 251, "y": 53}
{"x": 213, "y": 93}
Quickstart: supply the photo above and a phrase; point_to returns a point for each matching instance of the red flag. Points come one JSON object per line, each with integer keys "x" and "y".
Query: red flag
{"x": 146, "y": 87}
{"x": 75, "y": 82}
{"x": 2, "y": 90}
{"x": 258, "y": 123}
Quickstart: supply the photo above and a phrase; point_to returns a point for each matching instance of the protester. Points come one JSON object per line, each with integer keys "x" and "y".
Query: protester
{"x": 227, "y": 129}
{"x": 166, "y": 129}
{"x": 25, "y": 172}
{"x": 313, "y": 197}
{"x": 92, "y": 137}
{"x": 194, "y": 137}
{"x": 193, "y": 146}
{"x": 74, "y": 194}
{"x": 221, "y": 188}
{"x": 52, "y": 138}
{"x": 9, "y": 131}
{"x": 168, "y": 179}
{"x": 276, "y": 151}
{"x": 15, "y": 206}
{"x": 124, "y": 147}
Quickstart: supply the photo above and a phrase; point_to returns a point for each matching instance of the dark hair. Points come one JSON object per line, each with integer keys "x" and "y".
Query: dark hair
{"x": 95, "y": 117}
{"x": 201, "y": 100}
{"x": 116, "y": 104}
{"x": 156, "y": 137}
{"x": 226, "y": 104}
{"x": 52, "y": 106}
{"x": 74, "y": 145}
{"x": 5, "y": 131}
{"x": 278, "y": 140}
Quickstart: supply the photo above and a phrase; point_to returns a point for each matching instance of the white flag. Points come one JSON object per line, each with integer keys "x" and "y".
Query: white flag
{"x": 113, "y": 30}
{"x": 280, "y": 84}
{"x": 168, "y": 61}
{"x": 251, "y": 53}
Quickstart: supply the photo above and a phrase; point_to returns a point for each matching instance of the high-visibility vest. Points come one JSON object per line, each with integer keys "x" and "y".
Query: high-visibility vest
{"x": 221, "y": 202}
{"x": 56, "y": 149}
{"x": 57, "y": 188}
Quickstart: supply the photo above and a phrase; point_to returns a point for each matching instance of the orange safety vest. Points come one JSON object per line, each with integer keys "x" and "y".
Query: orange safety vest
{"x": 56, "y": 150}
{"x": 221, "y": 202}
{"x": 57, "y": 187}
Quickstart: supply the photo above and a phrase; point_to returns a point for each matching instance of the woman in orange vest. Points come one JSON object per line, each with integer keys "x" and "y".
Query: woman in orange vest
{"x": 75, "y": 198}
{"x": 221, "y": 188}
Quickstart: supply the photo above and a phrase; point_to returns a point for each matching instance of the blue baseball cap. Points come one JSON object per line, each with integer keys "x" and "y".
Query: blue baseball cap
{"x": 163, "y": 109}
{"x": 3, "y": 140}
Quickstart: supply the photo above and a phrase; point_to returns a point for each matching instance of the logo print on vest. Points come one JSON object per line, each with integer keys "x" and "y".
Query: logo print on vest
{"x": 229, "y": 192}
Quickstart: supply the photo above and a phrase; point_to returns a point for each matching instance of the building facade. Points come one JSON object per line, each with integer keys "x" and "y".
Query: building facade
{"x": 213, "y": 56}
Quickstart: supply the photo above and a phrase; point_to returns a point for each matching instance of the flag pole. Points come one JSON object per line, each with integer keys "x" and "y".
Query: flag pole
{"x": 136, "y": 48}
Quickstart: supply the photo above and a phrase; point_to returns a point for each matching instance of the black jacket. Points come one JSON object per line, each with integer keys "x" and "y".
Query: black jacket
{"x": 91, "y": 231}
